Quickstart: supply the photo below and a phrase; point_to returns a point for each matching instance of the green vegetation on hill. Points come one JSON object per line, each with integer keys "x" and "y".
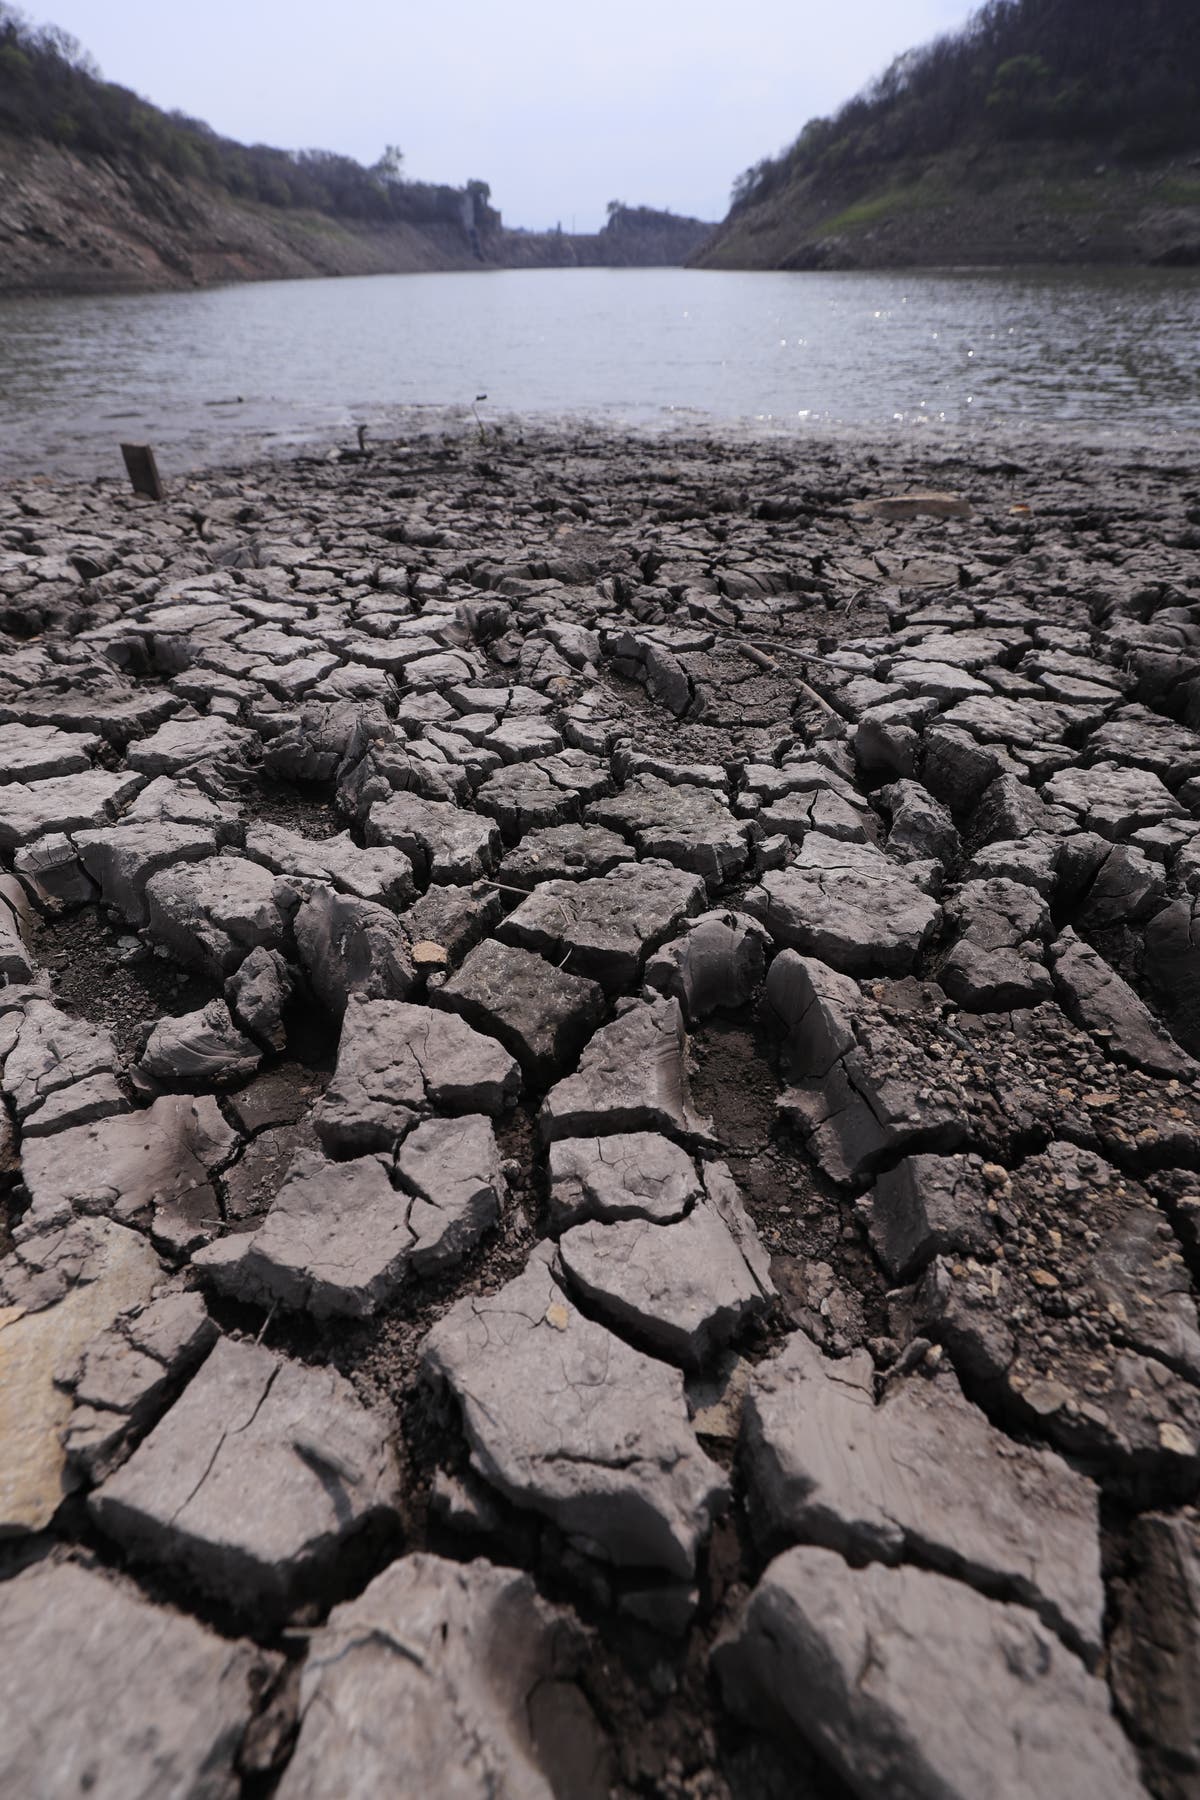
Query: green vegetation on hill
{"x": 103, "y": 190}
{"x": 1125, "y": 72}
{"x": 1021, "y": 105}
{"x": 50, "y": 89}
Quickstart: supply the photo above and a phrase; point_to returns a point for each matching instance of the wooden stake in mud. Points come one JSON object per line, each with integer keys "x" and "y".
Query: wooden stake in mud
{"x": 142, "y": 470}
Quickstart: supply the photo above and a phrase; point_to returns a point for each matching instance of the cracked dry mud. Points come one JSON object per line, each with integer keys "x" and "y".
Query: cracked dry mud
{"x": 599, "y": 1145}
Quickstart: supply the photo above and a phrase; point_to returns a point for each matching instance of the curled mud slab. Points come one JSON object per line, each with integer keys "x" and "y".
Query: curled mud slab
{"x": 599, "y": 1133}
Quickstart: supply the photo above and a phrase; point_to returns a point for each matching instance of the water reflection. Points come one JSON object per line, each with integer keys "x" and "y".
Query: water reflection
{"x": 234, "y": 371}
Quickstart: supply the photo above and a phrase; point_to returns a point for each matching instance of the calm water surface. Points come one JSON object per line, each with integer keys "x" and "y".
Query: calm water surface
{"x": 232, "y": 372}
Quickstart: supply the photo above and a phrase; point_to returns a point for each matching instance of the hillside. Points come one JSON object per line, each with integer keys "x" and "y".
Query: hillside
{"x": 1044, "y": 131}
{"x": 100, "y": 192}
{"x": 73, "y": 222}
{"x": 634, "y": 237}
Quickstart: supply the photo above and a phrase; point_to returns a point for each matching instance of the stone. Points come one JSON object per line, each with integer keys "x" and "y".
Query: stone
{"x": 945, "y": 683}
{"x": 664, "y": 677}
{"x": 352, "y": 947}
{"x": 862, "y": 1094}
{"x": 996, "y": 963}
{"x": 36, "y": 752}
{"x": 1172, "y": 965}
{"x": 1126, "y": 888}
{"x": 827, "y": 1653}
{"x": 809, "y": 775}
{"x": 159, "y": 1704}
{"x": 52, "y": 874}
{"x": 567, "y": 1420}
{"x": 1024, "y": 724}
{"x": 1034, "y": 861}
{"x": 916, "y": 505}
{"x": 443, "y": 1659}
{"x": 255, "y": 1484}
{"x": 929, "y": 1206}
{"x": 200, "y": 1049}
{"x": 257, "y": 994}
{"x": 633, "y": 1076}
{"x": 313, "y": 742}
{"x": 513, "y": 701}
{"x": 252, "y": 1182}
{"x": 531, "y": 796}
{"x": 452, "y": 1168}
{"x": 847, "y": 904}
{"x": 886, "y": 740}
{"x": 815, "y": 1008}
{"x": 1010, "y": 809}
{"x": 687, "y": 826}
{"x": 166, "y": 800}
{"x": 17, "y": 964}
{"x": 919, "y": 1476}
{"x": 335, "y": 1242}
{"x": 211, "y": 914}
{"x": 180, "y": 744}
{"x": 1111, "y": 801}
{"x": 442, "y": 669}
{"x": 292, "y": 679}
{"x": 717, "y": 963}
{"x": 606, "y": 926}
{"x": 1094, "y": 996}
{"x": 397, "y": 1063}
{"x": 382, "y": 874}
{"x": 56, "y": 1295}
{"x": 796, "y": 814}
{"x": 542, "y": 1014}
{"x": 115, "y": 714}
{"x": 1148, "y": 741}
{"x": 681, "y": 1291}
{"x": 443, "y": 842}
{"x": 1123, "y": 1393}
{"x": 127, "y": 1375}
{"x": 456, "y": 918}
{"x": 564, "y": 853}
{"x": 630, "y": 1175}
{"x": 123, "y": 858}
{"x": 62, "y": 803}
{"x": 523, "y": 740}
{"x": 59, "y": 1072}
{"x": 1156, "y": 1647}
{"x": 153, "y": 1169}
{"x": 921, "y": 829}
{"x": 422, "y": 769}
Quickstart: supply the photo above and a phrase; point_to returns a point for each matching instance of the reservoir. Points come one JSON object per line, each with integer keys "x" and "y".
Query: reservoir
{"x": 231, "y": 373}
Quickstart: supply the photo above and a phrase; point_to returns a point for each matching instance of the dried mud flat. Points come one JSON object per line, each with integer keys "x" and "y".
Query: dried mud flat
{"x": 599, "y": 1146}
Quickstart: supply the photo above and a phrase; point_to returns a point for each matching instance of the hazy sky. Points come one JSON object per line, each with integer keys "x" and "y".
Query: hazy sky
{"x": 560, "y": 107}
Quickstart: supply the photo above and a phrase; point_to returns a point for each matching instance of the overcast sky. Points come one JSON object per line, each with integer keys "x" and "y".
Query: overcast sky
{"x": 560, "y": 107}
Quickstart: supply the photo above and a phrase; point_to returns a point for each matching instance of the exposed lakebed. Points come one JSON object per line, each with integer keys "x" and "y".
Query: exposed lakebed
{"x": 600, "y": 1124}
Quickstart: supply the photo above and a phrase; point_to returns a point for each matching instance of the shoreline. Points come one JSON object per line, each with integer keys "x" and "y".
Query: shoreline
{"x": 398, "y": 429}
{"x": 1067, "y": 269}
{"x": 582, "y": 985}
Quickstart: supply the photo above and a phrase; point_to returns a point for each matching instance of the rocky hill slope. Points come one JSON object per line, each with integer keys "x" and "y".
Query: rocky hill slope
{"x": 970, "y": 208}
{"x": 74, "y": 222}
{"x": 77, "y": 223}
{"x": 634, "y": 237}
{"x": 102, "y": 191}
{"x": 1044, "y": 131}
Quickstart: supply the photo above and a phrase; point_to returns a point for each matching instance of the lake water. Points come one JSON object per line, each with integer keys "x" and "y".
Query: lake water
{"x": 237, "y": 371}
